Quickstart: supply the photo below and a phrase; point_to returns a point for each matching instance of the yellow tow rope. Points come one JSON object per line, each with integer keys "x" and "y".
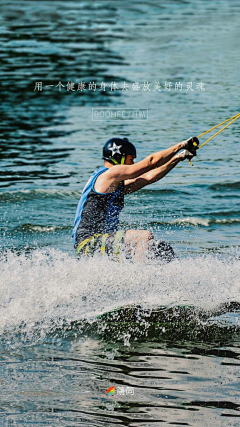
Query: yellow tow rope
{"x": 233, "y": 118}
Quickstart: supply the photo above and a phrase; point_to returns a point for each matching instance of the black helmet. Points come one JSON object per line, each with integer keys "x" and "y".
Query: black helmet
{"x": 116, "y": 150}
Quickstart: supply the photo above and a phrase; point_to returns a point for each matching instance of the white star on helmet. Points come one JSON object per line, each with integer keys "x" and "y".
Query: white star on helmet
{"x": 115, "y": 149}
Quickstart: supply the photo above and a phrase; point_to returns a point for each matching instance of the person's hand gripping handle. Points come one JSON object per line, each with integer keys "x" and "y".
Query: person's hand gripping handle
{"x": 191, "y": 145}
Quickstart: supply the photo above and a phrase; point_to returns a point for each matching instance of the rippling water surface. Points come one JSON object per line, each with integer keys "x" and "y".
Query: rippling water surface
{"x": 172, "y": 350}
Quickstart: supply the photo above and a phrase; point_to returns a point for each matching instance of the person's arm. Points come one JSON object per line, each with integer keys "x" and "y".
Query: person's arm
{"x": 155, "y": 160}
{"x": 154, "y": 175}
{"x": 109, "y": 180}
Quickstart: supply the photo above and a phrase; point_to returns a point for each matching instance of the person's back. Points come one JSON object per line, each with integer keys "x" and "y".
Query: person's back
{"x": 100, "y": 212}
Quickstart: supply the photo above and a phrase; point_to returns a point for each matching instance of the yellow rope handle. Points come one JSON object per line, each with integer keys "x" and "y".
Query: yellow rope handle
{"x": 214, "y": 127}
{"x": 236, "y": 117}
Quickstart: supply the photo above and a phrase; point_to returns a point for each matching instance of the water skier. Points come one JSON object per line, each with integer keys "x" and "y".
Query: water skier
{"x": 97, "y": 217}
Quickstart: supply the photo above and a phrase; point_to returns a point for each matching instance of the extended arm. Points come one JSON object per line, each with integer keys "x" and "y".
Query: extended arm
{"x": 109, "y": 180}
{"x": 155, "y": 160}
{"x": 154, "y": 175}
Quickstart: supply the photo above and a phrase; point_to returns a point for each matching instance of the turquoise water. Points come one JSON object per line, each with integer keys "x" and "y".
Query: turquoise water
{"x": 57, "y": 356}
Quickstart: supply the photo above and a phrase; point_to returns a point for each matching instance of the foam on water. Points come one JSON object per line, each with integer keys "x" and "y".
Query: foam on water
{"x": 40, "y": 228}
{"x": 49, "y": 286}
{"x": 203, "y": 221}
{"x": 192, "y": 221}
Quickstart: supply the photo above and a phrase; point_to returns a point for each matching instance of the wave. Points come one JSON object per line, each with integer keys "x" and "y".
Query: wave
{"x": 39, "y": 228}
{"x": 172, "y": 323}
{"x": 225, "y": 186}
{"x": 189, "y": 221}
{"x": 227, "y": 221}
{"x": 22, "y": 195}
{"x": 196, "y": 221}
{"x": 49, "y": 289}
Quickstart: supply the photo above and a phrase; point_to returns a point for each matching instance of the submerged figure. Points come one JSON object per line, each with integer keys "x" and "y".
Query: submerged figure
{"x": 97, "y": 217}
